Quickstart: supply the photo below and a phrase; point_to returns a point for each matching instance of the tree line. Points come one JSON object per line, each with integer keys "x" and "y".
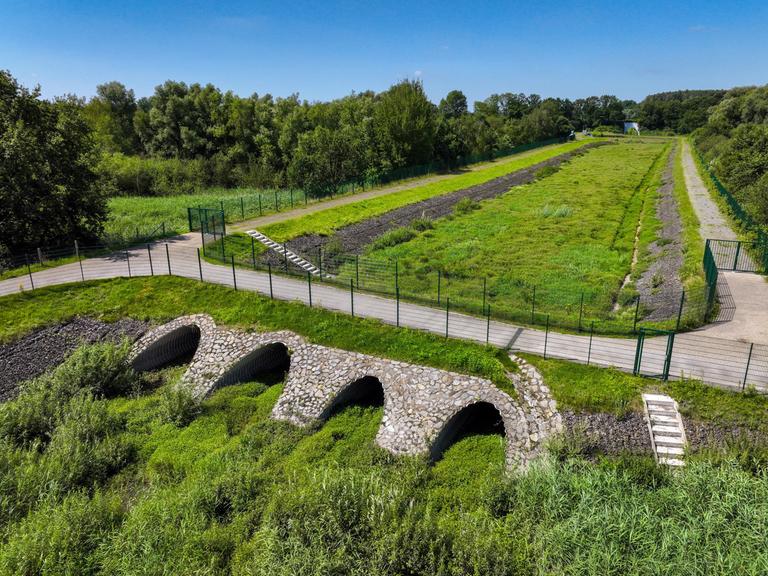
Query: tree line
{"x": 191, "y": 136}
{"x": 734, "y": 141}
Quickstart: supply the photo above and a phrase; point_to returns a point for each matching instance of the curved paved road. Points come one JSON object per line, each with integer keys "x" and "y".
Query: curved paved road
{"x": 716, "y": 361}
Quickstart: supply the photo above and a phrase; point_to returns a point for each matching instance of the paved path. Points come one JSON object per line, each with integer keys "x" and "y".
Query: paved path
{"x": 719, "y": 362}
{"x": 749, "y": 321}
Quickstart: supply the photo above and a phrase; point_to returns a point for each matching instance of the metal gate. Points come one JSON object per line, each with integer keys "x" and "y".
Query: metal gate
{"x": 739, "y": 256}
{"x": 653, "y": 354}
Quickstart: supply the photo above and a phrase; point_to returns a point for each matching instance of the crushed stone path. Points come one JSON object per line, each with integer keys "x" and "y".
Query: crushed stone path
{"x": 713, "y": 223}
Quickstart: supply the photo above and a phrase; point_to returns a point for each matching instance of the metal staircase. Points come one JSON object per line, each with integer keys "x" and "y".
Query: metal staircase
{"x": 284, "y": 252}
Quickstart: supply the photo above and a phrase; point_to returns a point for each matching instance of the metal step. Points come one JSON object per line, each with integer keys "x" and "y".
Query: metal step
{"x": 284, "y": 252}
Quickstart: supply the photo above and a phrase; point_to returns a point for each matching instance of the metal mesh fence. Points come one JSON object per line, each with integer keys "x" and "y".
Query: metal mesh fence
{"x": 502, "y": 297}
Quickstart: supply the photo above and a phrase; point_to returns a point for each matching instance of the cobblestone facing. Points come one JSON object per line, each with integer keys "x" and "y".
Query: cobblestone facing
{"x": 418, "y": 400}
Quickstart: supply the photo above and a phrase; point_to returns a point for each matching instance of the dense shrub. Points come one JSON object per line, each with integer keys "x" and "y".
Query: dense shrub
{"x": 393, "y": 238}
{"x": 137, "y": 176}
{"x": 178, "y": 406}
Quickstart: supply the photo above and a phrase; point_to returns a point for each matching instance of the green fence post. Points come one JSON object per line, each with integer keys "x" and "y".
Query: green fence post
{"x": 736, "y": 257}
{"x": 234, "y": 278}
{"x": 242, "y": 208}
{"x": 546, "y": 338}
{"x": 200, "y": 264}
{"x": 320, "y": 261}
{"x": 533, "y": 305}
{"x": 261, "y": 212}
{"x": 151, "y": 267}
{"x": 581, "y": 309}
{"x": 277, "y": 204}
{"x": 79, "y": 261}
{"x": 221, "y": 203}
{"x": 29, "y": 271}
{"x": 357, "y": 270}
{"x": 309, "y": 287}
{"x": 163, "y": 227}
{"x": 189, "y": 218}
{"x": 746, "y": 372}
{"x": 253, "y": 252}
{"x": 591, "y": 333}
{"x": 439, "y": 277}
{"x": 668, "y": 357}
{"x": 291, "y": 193}
{"x": 128, "y": 261}
{"x": 447, "y": 313}
{"x": 269, "y": 271}
{"x": 397, "y": 306}
{"x": 306, "y": 200}
{"x": 485, "y": 283}
{"x": 168, "y": 259}
{"x": 680, "y": 311}
{"x": 397, "y": 292}
{"x": 488, "y": 326}
{"x": 352, "y": 296}
{"x": 637, "y": 311}
{"x": 285, "y": 255}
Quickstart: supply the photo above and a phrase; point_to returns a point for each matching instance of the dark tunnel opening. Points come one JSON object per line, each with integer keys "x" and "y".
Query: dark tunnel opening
{"x": 267, "y": 364}
{"x": 477, "y": 418}
{"x": 173, "y": 349}
{"x": 367, "y": 392}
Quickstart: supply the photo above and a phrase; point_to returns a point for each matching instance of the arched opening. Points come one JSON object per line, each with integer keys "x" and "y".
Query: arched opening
{"x": 366, "y": 391}
{"x": 176, "y": 347}
{"x": 477, "y": 418}
{"x": 268, "y": 364}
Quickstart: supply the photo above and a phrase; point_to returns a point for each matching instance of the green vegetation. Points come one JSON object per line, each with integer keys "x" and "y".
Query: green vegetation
{"x": 327, "y": 221}
{"x": 164, "y": 298}
{"x": 573, "y": 232}
{"x": 48, "y": 188}
{"x": 693, "y": 245}
{"x": 119, "y": 489}
{"x": 734, "y": 143}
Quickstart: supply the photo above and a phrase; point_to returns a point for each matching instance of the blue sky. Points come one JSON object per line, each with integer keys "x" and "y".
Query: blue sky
{"x": 324, "y": 50}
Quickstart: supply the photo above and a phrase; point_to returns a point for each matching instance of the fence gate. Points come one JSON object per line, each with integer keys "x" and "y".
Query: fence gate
{"x": 739, "y": 256}
{"x": 653, "y": 354}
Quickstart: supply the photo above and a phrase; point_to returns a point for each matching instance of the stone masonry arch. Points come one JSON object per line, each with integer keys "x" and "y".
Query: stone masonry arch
{"x": 422, "y": 405}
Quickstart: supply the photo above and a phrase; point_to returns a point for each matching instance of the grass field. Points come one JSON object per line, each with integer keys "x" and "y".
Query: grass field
{"x": 326, "y": 221}
{"x": 129, "y": 213}
{"x": 98, "y": 478}
{"x": 570, "y": 233}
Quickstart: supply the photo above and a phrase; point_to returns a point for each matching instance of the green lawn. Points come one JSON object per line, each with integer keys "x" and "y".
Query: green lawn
{"x": 326, "y": 221}
{"x": 146, "y": 213}
{"x": 567, "y": 234}
{"x": 116, "y": 487}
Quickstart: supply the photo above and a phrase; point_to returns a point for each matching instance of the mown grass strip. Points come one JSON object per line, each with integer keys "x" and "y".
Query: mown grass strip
{"x": 326, "y": 221}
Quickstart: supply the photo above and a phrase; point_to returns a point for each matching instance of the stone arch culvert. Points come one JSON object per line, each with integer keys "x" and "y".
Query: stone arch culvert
{"x": 425, "y": 409}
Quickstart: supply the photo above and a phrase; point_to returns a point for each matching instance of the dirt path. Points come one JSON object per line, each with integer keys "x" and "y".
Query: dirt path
{"x": 375, "y": 193}
{"x": 749, "y": 292}
{"x": 713, "y": 223}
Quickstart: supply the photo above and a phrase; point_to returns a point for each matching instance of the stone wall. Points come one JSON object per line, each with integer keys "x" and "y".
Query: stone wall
{"x": 418, "y": 401}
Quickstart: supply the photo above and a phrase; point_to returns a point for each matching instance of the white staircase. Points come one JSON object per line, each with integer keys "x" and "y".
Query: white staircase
{"x": 665, "y": 426}
{"x": 284, "y": 252}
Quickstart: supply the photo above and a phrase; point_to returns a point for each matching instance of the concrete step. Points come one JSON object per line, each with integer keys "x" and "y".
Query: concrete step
{"x": 663, "y": 418}
{"x": 284, "y": 252}
{"x": 668, "y": 440}
{"x": 675, "y": 462}
{"x": 669, "y": 451}
{"x": 662, "y": 430}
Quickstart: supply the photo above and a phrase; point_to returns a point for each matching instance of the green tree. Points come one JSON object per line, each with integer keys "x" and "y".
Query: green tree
{"x": 48, "y": 188}
{"x": 454, "y": 105}
{"x": 110, "y": 114}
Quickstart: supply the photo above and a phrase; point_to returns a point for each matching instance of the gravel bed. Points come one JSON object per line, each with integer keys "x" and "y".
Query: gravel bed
{"x": 47, "y": 347}
{"x": 666, "y": 253}
{"x": 610, "y": 434}
{"x": 709, "y": 435}
{"x": 353, "y": 239}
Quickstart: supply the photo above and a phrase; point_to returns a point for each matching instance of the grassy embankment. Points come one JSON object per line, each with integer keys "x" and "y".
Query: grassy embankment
{"x": 121, "y": 479}
{"x": 568, "y": 233}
